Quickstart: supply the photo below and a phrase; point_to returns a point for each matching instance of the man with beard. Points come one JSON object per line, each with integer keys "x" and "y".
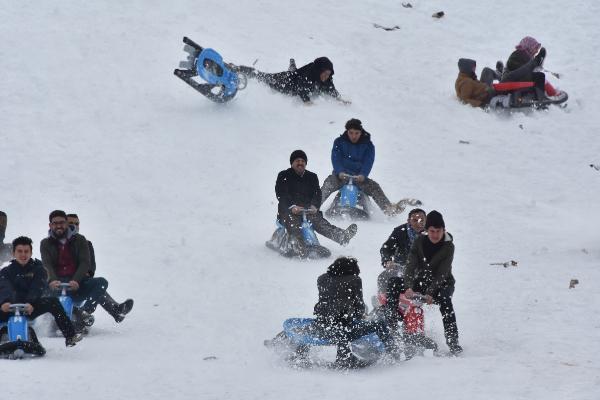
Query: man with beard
{"x": 296, "y": 188}
{"x": 66, "y": 257}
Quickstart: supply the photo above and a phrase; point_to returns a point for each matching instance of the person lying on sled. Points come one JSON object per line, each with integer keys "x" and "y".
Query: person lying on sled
{"x": 310, "y": 80}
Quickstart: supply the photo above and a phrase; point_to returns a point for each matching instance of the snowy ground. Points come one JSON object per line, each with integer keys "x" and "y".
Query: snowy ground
{"x": 177, "y": 192}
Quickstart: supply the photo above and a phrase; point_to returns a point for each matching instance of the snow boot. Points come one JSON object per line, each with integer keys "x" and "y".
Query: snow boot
{"x": 348, "y": 234}
{"x": 72, "y": 340}
{"x": 116, "y": 310}
{"x": 292, "y": 66}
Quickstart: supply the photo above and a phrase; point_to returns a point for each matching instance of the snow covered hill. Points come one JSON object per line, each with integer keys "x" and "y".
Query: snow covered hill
{"x": 177, "y": 193}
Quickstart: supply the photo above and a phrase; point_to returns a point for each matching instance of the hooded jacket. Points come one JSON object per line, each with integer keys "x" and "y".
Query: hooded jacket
{"x": 436, "y": 273}
{"x": 23, "y": 284}
{"x": 293, "y": 189}
{"x": 353, "y": 158}
{"x": 468, "y": 88}
{"x": 305, "y": 81}
{"x": 340, "y": 293}
{"x": 79, "y": 249}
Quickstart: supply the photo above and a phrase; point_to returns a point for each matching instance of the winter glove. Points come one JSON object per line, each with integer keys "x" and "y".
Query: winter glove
{"x": 360, "y": 178}
{"x": 539, "y": 58}
{"x": 343, "y": 176}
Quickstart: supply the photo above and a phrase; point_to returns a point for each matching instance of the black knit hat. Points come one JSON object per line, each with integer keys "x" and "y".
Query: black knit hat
{"x": 354, "y": 124}
{"x": 434, "y": 219}
{"x": 298, "y": 154}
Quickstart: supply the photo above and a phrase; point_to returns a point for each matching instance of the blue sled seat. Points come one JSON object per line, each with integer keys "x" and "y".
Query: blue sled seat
{"x": 304, "y": 331}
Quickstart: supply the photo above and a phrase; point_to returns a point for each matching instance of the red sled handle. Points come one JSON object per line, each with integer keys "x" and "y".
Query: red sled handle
{"x": 510, "y": 86}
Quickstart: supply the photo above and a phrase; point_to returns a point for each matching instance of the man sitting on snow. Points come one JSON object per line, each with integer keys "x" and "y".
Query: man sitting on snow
{"x": 469, "y": 89}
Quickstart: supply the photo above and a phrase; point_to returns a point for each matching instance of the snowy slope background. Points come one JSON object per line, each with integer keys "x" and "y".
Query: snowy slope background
{"x": 177, "y": 192}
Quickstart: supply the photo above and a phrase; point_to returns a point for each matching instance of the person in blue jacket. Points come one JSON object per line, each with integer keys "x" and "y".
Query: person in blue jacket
{"x": 353, "y": 154}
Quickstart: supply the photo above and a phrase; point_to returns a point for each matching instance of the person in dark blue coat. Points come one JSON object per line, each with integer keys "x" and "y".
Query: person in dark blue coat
{"x": 353, "y": 154}
{"x": 24, "y": 281}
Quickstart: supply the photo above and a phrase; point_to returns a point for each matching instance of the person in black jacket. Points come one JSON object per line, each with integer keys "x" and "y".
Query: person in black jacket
{"x": 127, "y": 305}
{"x": 394, "y": 252}
{"x": 296, "y": 188}
{"x": 340, "y": 311}
{"x": 312, "y": 79}
{"x": 24, "y": 281}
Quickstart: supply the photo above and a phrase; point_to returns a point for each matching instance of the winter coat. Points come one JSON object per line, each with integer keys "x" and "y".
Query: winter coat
{"x": 519, "y": 67}
{"x": 353, "y": 158}
{"x": 23, "y": 284}
{"x": 436, "y": 273}
{"x": 340, "y": 296}
{"x": 80, "y": 252}
{"x": 293, "y": 189}
{"x": 305, "y": 81}
{"x": 397, "y": 246}
{"x": 472, "y": 91}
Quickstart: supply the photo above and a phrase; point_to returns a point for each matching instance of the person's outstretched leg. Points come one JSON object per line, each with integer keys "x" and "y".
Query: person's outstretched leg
{"x": 325, "y": 228}
{"x": 91, "y": 290}
{"x": 373, "y": 189}
{"x": 116, "y": 310}
{"x": 444, "y": 299}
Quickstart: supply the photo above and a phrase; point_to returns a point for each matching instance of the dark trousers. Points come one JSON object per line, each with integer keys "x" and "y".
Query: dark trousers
{"x": 91, "y": 290}
{"x": 344, "y": 333}
{"x": 488, "y": 75}
{"x": 293, "y": 224}
{"x": 443, "y": 298}
{"x": 368, "y": 186}
{"x": 49, "y": 305}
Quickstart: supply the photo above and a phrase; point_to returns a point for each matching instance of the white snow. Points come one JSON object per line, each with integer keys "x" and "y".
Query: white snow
{"x": 177, "y": 193}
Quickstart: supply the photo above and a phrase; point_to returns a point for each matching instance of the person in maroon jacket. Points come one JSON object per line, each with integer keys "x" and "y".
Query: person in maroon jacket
{"x": 66, "y": 257}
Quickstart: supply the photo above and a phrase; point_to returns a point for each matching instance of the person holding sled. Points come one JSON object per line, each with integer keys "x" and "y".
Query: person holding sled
{"x": 340, "y": 312}
{"x": 24, "y": 281}
{"x": 470, "y": 90}
{"x": 74, "y": 223}
{"x": 429, "y": 271}
{"x": 297, "y": 188}
{"x": 353, "y": 154}
{"x": 395, "y": 250}
{"x": 66, "y": 257}
{"x": 312, "y": 79}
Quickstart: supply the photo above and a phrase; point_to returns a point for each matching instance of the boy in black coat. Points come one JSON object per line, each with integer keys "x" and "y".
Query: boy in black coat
{"x": 312, "y": 79}
{"x": 24, "y": 281}
{"x": 340, "y": 311}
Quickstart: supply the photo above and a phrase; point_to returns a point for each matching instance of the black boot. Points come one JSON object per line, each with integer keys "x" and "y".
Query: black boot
{"x": 116, "y": 310}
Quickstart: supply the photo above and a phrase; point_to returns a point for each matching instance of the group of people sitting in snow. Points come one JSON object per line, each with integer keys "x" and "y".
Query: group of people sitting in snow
{"x": 523, "y": 65}
{"x": 67, "y": 257}
{"x": 417, "y": 257}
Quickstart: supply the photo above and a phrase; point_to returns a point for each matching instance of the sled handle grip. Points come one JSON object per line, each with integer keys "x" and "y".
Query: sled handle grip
{"x": 17, "y": 308}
